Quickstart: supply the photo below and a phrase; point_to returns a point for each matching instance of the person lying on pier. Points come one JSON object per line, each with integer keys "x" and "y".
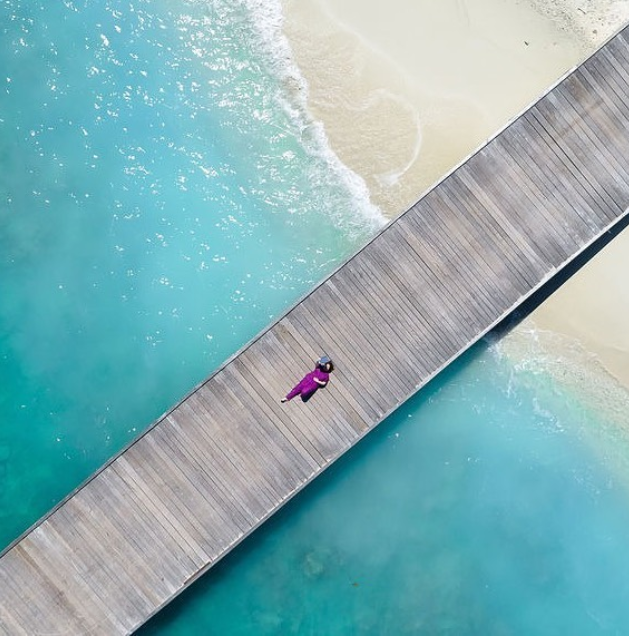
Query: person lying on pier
{"x": 311, "y": 382}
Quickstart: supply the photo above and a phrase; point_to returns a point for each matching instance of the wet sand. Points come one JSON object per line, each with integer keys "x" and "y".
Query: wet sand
{"x": 407, "y": 90}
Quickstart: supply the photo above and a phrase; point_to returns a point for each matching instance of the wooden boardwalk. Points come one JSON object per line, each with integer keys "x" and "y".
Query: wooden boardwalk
{"x": 430, "y": 285}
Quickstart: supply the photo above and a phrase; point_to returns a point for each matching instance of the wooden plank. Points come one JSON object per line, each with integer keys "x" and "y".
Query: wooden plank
{"x": 299, "y": 318}
{"x": 470, "y": 288}
{"x": 366, "y": 411}
{"x": 163, "y": 485}
{"x": 265, "y": 461}
{"x": 572, "y": 159}
{"x": 220, "y": 516}
{"x": 63, "y": 548}
{"x": 602, "y": 171}
{"x": 139, "y": 522}
{"x": 403, "y": 315}
{"x": 614, "y": 88}
{"x": 381, "y": 332}
{"x": 463, "y": 285}
{"x": 616, "y": 54}
{"x": 504, "y": 234}
{"x": 210, "y": 475}
{"x": 521, "y": 249}
{"x": 336, "y": 431}
{"x": 291, "y": 431}
{"x": 509, "y": 274}
{"x": 268, "y": 438}
{"x": 102, "y": 575}
{"x": 508, "y": 211}
{"x": 453, "y": 292}
{"x": 72, "y": 590}
{"x": 404, "y": 289}
{"x": 236, "y": 437}
{"x": 603, "y": 126}
{"x": 532, "y": 219}
{"x": 582, "y": 225}
{"x": 567, "y": 182}
{"x": 24, "y": 609}
{"x": 430, "y": 314}
{"x": 127, "y": 544}
{"x": 41, "y": 592}
{"x": 368, "y": 348}
{"x": 617, "y": 105}
{"x": 231, "y": 463}
{"x": 358, "y": 419}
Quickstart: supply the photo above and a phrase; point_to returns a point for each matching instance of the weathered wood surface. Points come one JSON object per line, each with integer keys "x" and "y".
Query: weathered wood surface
{"x": 429, "y": 286}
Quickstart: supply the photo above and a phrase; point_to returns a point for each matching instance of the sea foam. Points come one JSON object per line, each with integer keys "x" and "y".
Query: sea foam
{"x": 272, "y": 44}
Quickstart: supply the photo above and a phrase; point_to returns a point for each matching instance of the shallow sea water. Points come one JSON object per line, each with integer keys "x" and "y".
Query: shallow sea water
{"x": 163, "y": 197}
{"x": 160, "y": 203}
{"x": 473, "y": 510}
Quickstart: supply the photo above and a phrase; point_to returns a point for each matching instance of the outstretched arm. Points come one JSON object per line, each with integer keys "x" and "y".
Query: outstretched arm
{"x": 321, "y": 383}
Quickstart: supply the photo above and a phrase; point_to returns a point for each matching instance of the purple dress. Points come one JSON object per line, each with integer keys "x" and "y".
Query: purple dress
{"x": 308, "y": 385}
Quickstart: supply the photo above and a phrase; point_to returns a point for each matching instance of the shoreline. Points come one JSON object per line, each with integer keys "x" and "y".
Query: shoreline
{"x": 406, "y": 92}
{"x": 402, "y": 105}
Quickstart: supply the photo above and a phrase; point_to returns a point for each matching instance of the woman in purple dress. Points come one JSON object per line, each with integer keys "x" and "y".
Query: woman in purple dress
{"x": 311, "y": 382}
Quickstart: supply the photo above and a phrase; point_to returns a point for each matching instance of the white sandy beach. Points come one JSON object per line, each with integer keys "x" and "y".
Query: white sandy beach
{"x": 407, "y": 90}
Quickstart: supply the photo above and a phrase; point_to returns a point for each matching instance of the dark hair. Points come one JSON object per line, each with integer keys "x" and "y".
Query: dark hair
{"x": 327, "y": 365}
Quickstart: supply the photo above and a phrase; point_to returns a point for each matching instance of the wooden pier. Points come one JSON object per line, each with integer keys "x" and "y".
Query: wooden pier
{"x": 426, "y": 288}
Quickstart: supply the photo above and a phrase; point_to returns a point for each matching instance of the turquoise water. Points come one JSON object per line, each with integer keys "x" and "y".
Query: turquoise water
{"x": 471, "y": 511}
{"x": 163, "y": 197}
{"x": 161, "y": 201}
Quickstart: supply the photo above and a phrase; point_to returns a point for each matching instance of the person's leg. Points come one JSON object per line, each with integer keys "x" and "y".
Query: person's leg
{"x": 295, "y": 391}
{"x": 306, "y": 396}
